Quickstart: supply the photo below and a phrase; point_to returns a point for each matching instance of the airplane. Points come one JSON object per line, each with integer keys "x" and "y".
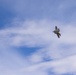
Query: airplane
{"x": 57, "y": 31}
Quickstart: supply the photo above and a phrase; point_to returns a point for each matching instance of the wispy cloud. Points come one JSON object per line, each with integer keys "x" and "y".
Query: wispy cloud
{"x": 31, "y": 28}
{"x": 58, "y": 67}
{"x": 61, "y": 52}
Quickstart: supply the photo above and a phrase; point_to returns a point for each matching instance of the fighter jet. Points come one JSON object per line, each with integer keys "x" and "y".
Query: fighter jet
{"x": 57, "y": 31}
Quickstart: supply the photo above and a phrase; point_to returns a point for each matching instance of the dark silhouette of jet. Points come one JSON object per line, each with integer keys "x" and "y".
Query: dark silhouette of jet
{"x": 57, "y": 31}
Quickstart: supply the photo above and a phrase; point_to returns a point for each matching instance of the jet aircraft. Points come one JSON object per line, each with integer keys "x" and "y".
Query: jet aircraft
{"x": 57, "y": 31}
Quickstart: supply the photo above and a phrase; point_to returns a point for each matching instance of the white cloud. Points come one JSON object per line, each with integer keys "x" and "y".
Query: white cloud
{"x": 61, "y": 52}
{"x": 38, "y": 34}
{"x": 59, "y": 67}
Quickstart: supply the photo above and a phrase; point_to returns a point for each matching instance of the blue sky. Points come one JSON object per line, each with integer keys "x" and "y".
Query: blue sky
{"x": 27, "y": 44}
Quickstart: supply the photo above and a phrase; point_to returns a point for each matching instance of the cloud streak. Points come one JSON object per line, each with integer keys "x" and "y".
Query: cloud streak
{"x": 29, "y": 30}
{"x": 38, "y": 34}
